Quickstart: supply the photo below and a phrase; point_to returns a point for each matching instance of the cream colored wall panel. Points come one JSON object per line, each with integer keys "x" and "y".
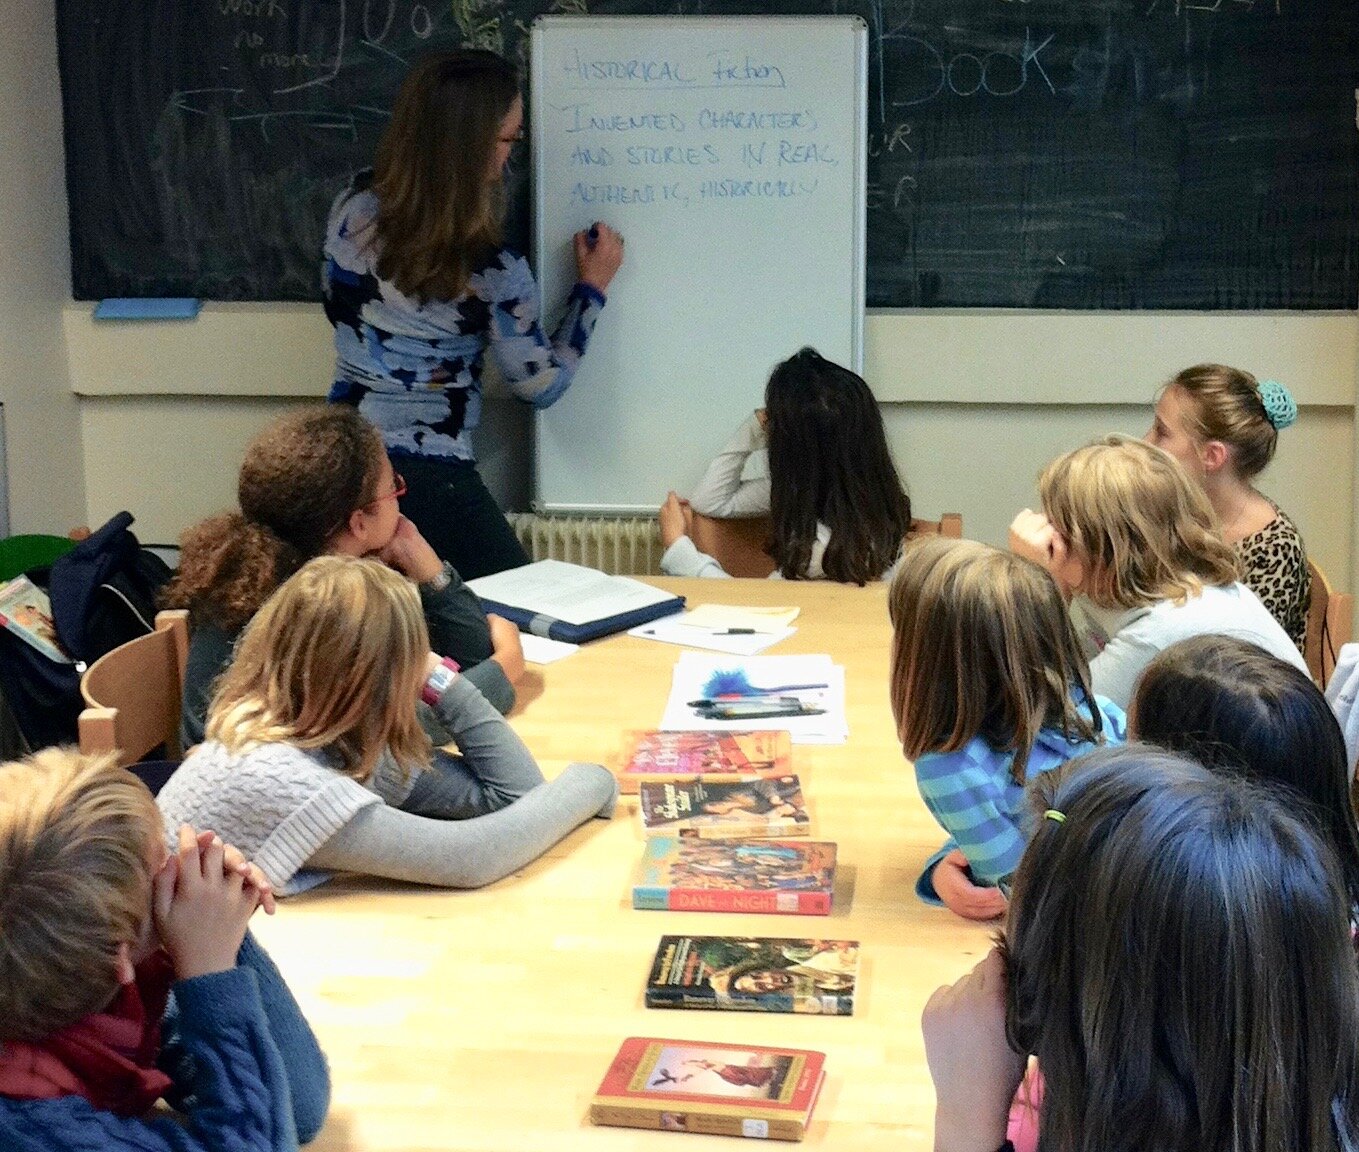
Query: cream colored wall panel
{"x": 228, "y": 350}
{"x": 964, "y": 357}
{"x": 170, "y": 461}
{"x": 42, "y": 420}
{"x": 984, "y": 461}
{"x": 1100, "y": 357}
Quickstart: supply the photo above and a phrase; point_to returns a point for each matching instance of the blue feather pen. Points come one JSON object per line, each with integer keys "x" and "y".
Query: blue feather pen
{"x": 733, "y": 684}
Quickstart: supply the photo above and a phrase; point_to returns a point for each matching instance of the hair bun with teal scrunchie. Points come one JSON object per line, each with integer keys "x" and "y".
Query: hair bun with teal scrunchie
{"x": 1281, "y": 409}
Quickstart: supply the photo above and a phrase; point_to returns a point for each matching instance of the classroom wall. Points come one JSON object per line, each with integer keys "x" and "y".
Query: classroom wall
{"x": 42, "y": 423}
{"x": 975, "y": 403}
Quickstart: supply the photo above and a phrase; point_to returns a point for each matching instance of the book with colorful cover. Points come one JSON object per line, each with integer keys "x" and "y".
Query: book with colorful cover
{"x": 792, "y": 877}
{"x": 767, "y": 806}
{"x": 754, "y": 974}
{"x": 750, "y": 1090}
{"x": 27, "y": 612}
{"x": 660, "y": 756}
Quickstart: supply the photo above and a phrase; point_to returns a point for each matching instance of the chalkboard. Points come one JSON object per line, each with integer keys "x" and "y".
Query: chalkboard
{"x": 744, "y": 236}
{"x": 1180, "y": 154}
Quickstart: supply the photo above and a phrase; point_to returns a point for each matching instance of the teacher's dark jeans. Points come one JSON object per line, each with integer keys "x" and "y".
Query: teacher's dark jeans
{"x": 448, "y": 502}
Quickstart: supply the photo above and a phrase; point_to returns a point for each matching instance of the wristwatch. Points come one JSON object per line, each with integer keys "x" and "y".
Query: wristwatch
{"x": 441, "y": 581}
{"x": 437, "y": 682}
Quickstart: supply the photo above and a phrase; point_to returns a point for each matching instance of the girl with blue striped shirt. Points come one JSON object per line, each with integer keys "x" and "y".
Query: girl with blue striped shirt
{"x": 989, "y": 689}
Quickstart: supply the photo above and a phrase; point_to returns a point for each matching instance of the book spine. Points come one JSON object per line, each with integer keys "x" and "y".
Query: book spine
{"x": 681, "y": 998}
{"x": 716, "y": 900}
{"x": 686, "y": 1116}
{"x": 770, "y": 830}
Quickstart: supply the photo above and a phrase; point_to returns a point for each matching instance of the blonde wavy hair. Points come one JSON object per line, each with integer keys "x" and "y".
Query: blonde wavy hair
{"x": 1144, "y": 530}
{"x": 77, "y": 840}
{"x": 983, "y": 645}
{"x": 334, "y": 659}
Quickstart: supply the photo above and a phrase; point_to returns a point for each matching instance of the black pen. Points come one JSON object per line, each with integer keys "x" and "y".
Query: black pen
{"x": 736, "y": 632}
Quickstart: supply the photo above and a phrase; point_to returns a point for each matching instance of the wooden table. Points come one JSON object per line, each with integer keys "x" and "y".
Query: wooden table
{"x": 485, "y": 1020}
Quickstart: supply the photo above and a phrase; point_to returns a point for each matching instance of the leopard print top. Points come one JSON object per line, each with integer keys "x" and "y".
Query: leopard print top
{"x": 1275, "y": 567}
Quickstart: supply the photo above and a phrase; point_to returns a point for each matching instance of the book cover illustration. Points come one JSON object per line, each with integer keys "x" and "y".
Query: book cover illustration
{"x": 795, "y": 877}
{"x": 653, "y": 755}
{"x": 720, "y": 1089}
{"x": 27, "y": 612}
{"x": 754, "y": 974}
{"x": 765, "y": 807}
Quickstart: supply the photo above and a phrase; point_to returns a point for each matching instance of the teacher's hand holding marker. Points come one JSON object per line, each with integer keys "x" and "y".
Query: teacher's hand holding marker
{"x": 420, "y": 285}
{"x": 599, "y": 255}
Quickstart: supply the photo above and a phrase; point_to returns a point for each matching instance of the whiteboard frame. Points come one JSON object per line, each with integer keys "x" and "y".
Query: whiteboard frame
{"x": 544, "y": 25}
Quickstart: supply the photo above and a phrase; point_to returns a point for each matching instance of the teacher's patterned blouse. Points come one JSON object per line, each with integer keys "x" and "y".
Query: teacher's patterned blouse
{"x": 414, "y": 368}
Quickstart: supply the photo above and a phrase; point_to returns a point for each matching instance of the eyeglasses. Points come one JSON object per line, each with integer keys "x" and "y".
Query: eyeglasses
{"x": 396, "y": 493}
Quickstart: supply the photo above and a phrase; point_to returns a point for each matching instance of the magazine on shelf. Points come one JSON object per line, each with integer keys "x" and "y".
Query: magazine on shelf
{"x": 27, "y": 612}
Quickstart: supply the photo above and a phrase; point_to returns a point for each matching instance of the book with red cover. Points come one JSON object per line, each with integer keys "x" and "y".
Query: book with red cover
{"x": 748, "y": 1090}
{"x": 660, "y": 756}
{"x": 791, "y": 877}
{"x": 730, "y": 809}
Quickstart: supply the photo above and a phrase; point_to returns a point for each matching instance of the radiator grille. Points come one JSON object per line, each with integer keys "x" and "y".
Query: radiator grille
{"x": 620, "y": 545}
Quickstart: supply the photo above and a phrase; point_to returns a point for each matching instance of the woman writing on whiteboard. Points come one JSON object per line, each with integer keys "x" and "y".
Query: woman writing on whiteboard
{"x": 419, "y": 285}
{"x": 814, "y": 460}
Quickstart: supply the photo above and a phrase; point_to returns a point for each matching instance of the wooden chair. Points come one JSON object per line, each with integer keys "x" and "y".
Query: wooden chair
{"x": 1330, "y": 623}
{"x": 738, "y": 545}
{"x": 134, "y": 693}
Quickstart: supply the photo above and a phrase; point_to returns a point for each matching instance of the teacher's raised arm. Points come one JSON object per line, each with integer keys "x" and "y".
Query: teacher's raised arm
{"x": 419, "y": 284}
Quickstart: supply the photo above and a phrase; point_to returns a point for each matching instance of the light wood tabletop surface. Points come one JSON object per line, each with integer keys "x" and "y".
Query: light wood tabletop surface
{"x": 485, "y": 1020}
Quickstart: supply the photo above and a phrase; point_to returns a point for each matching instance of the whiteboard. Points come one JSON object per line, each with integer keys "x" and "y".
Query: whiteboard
{"x": 730, "y": 152}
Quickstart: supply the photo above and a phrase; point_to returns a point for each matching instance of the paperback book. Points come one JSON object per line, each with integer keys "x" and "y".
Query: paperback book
{"x": 793, "y": 877}
{"x": 747, "y": 1090}
{"x": 754, "y": 974}
{"x": 712, "y": 756}
{"x": 27, "y": 612}
{"x": 733, "y": 809}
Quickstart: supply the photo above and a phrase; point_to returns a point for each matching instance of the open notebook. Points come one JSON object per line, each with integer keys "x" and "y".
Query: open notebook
{"x": 570, "y": 602}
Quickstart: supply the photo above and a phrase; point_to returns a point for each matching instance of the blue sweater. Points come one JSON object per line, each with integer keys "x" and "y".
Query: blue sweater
{"x": 247, "y": 1071}
{"x": 413, "y": 367}
{"x": 975, "y": 799}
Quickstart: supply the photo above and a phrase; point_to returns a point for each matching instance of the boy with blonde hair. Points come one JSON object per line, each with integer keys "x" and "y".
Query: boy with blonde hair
{"x": 127, "y": 976}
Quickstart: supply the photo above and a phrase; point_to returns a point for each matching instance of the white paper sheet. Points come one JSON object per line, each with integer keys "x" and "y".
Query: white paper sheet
{"x": 760, "y": 619}
{"x": 678, "y": 630}
{"x": 814, "y": 681}
{"x": 541, "y": 650}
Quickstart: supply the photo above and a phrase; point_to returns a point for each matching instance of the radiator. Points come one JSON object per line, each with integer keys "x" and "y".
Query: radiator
{"x": 621, "y": 545}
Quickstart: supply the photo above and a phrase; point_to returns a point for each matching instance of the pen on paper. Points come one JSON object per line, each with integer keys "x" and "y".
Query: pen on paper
{"x": 735, "y": 632}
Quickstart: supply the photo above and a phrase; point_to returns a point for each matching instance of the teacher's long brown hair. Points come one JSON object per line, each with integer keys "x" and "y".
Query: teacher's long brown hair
{"x": 439, "y": 201}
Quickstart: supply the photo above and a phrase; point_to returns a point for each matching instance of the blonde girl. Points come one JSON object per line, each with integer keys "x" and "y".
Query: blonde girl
{"x": 989, "y": 689}
{"x": 315, "y": 761}
{"x": 1133, "y": 542}
{"x": 1223, "y": 425}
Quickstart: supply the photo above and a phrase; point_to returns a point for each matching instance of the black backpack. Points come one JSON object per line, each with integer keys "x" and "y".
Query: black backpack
{"x": 103, "y": 594}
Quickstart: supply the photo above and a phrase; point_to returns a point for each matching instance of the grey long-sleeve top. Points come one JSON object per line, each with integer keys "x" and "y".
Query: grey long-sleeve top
{"x": 464, "y": 821}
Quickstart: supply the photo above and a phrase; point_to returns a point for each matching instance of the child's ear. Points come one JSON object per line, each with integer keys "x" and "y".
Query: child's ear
{"x": 123, "y": 966}
{"x": 1214, "y": 455}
